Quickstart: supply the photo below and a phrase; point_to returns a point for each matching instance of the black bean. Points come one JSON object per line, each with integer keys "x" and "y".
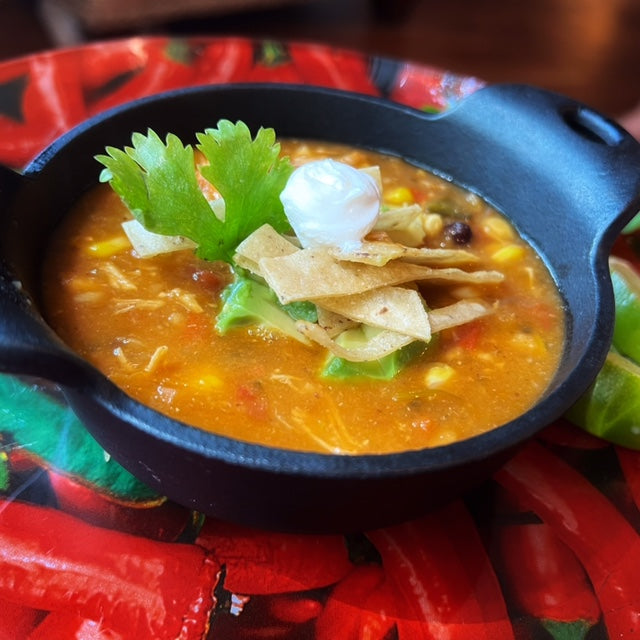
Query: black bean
{"x": 459, "y": 232}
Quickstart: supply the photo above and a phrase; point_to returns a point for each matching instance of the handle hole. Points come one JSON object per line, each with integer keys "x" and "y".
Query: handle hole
{"x": 593, "y": 126}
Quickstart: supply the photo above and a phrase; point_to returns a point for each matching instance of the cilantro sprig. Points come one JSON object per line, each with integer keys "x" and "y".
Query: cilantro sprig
{"x": 157, "y": 182}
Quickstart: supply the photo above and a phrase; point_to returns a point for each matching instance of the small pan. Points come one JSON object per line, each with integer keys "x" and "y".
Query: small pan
{"x": 567, "y": 177}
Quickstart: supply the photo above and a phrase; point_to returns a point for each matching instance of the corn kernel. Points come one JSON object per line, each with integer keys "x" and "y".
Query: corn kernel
{"x": 209, "y": 381}
{"x": 80, "y": 284}
{"x": 109, "y": 247}
{"x": 399, "y": 196}
{"x": 432, "y": 223}
{"x": 507, "y": 254}
{"x": 498, "y": 228}
{"x": 532, "y": 342}
{"x": 437, "y": 375}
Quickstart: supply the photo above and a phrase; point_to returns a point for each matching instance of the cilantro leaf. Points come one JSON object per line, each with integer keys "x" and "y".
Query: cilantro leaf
{"x": 249, "y": 174}
{"x": 157, "y": 181}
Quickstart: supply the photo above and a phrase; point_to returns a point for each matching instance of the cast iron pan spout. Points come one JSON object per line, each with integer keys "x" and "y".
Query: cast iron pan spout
{"x": 567, "y": 177}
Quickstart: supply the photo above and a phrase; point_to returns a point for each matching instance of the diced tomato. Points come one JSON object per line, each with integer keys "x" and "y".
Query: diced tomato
{"x": 210, "y": 280}
{"x": 252, "y": 398}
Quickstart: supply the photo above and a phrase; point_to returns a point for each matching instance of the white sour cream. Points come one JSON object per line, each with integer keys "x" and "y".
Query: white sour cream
{"x": 331, "y": 203}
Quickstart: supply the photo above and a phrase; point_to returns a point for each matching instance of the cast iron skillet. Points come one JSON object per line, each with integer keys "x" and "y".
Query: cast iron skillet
{"x": 566, "y": 176}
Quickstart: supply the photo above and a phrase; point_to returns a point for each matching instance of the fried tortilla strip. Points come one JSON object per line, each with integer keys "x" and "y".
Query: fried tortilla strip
{"x": 383, "y": 344}
{"x": 333, "y": 323}
{"x": 457, "y": 313}
{"x": 379, "y": 253}
{"x": 264, "y": 242}
{"x": 393, "y": 308}
{"x": 310, "y": 274}
{"x": 147, "y": 244}
{"x": 398, "y": 217}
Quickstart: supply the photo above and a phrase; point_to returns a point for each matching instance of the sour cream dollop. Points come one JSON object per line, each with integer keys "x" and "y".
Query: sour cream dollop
{"x": 331, "y": 203}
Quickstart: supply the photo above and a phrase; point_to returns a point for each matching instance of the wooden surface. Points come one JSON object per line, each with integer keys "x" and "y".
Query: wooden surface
{"x": 588, "y": 49}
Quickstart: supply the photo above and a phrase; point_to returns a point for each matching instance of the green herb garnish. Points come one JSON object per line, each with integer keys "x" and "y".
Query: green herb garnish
{"x": 157, "y": 181}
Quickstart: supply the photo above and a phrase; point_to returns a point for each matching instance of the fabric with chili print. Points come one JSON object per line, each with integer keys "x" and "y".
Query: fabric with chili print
{"x": 549, "y": 548}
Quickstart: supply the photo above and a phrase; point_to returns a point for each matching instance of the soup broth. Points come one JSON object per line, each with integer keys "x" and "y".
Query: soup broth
{"x": 149, "y": 325}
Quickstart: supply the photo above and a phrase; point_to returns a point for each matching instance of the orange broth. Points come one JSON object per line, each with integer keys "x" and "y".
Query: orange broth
{"x": 149, "y": 325}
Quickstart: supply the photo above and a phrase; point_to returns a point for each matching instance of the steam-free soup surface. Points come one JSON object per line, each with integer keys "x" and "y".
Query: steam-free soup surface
{"x": 149, "y": 325}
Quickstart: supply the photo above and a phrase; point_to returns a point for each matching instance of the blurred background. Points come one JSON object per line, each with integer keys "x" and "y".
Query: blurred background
{"x": 588, "y": 49}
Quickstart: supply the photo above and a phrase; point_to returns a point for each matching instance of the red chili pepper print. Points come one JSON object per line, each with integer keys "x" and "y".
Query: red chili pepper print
{"x": 604, "y": 542}
{"x": 137, "y": 587}
{"x": 150, "y": 66}
{"x": 223, "y": 60}
{"x": 294, "y": 609}
{"x": 17, "y": 621}
{"x": 261, "y": 562}
{"x": 429, "y": 88}
{"x": 40, "y": 98}
{"x": 442, "y": 578}
{"x": 627, "y": 246}
{"x": 272, "y": 62}
{"x": 158, "y": 519}
{"x": 68, "y": 626}
{"x": 563, "y": 433}
{"x": 360, "y": 607}
{"x": 545, "y": 579}
{"x": 630, "y": 464}
{"x": 335, "y": 68}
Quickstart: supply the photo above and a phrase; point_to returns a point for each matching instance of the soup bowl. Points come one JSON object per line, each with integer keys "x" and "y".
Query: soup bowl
{"x": 567, "y": 177}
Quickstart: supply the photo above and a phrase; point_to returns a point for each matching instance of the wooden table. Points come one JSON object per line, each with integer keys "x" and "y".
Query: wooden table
{"x": 588, "y": 49}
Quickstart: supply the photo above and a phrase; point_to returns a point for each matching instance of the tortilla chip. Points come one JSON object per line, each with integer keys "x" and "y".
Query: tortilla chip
{"x": 458, "y": 313}
{"x": 383, "y": 344}
{"x": 393, "y": 308}
{"x": 147, "y": 243}
{"x": 334, "y": 323}
{"x": 374, "y": 172}
{"x": 264, "y": 242}
{"x": 398, "y": 217}
{"x": 379, "y": 253}
{"x": 310, "y": 274}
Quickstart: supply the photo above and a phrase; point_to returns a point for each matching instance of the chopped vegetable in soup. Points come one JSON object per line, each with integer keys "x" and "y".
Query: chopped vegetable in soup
{"x": 370, "y": 307}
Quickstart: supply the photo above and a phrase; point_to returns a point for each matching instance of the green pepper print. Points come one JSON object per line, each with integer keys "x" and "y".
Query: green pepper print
{"x": 38, "y": 423}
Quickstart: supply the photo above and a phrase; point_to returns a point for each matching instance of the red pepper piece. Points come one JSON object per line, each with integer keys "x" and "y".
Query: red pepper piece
{"x": 468, "y": 336}
{"x": 546, "y": 579}
{"x": 252, "y": 399}
{"x": 49, "y": 102}
{"x": 69, "y": 626}
{"x": 16, "y": 621}
{"x": 588, "y": 523}
{"x": 329, "y": 67}
{"x": 262, "y": 562}
{"x": 360, "y": 607}
{"x": 443, "y": 580}
{"x": 137, "y": 587}
{"x": 159, "y": 519}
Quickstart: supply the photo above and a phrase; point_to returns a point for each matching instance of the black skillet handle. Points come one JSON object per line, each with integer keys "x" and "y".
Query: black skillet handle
{"x": 27, "y": 345}
{"x": 548, "y": 139}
